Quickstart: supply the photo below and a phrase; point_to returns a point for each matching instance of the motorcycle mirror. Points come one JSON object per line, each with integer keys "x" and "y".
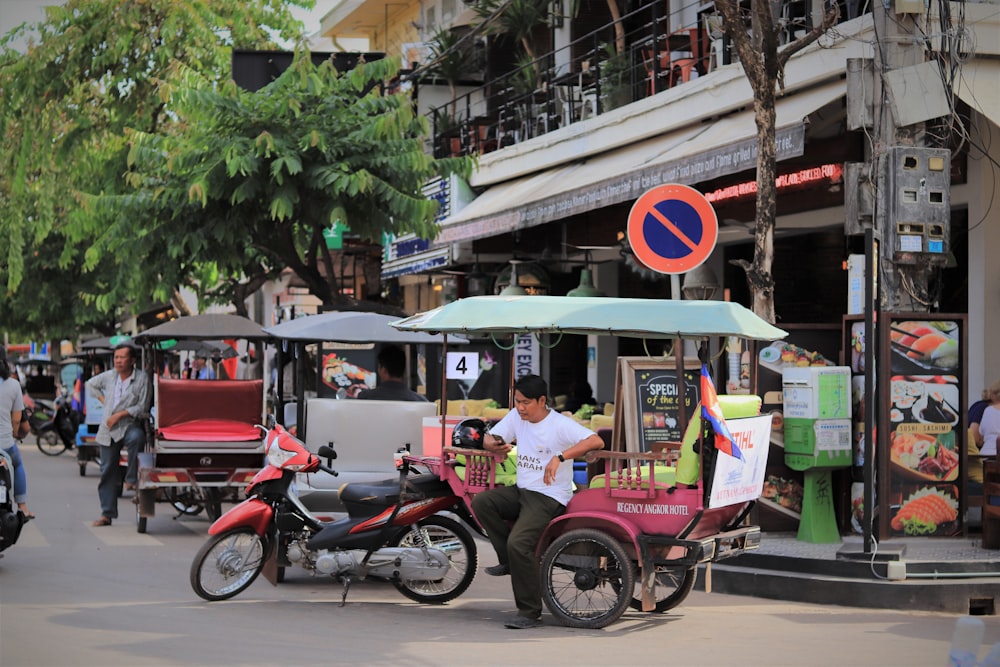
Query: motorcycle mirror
{"x": 327, "y": 452}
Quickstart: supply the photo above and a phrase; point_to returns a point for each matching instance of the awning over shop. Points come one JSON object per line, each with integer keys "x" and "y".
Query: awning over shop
{"x": 691, "y": 155}
{"x": 978, "y": 85}
{"x": 416, "y": 262}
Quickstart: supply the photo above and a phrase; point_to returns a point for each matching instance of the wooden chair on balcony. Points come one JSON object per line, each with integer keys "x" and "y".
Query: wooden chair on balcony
{"x": 657, "y": 66}
{"x": 483, "y": 135}
{"x": 678, "y": 61}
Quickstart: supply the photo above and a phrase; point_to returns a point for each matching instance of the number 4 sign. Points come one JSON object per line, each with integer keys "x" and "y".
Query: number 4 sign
{"x": 462, "y": 366}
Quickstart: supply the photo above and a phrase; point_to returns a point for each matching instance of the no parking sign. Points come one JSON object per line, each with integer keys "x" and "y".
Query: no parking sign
{"x": 672, "y": 228}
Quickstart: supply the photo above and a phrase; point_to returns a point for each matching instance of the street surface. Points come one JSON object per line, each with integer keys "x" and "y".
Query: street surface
{"x": 71, "y": 594}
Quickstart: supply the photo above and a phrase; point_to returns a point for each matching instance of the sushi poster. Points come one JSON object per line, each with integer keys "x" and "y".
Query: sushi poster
{"x": 924, "y": 346}
{"x": 924, "y": 412}
{"x": 918, "y": 510}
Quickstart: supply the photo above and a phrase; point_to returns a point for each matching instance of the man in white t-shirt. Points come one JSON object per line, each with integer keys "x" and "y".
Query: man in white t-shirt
{"x": 546, "y": 444}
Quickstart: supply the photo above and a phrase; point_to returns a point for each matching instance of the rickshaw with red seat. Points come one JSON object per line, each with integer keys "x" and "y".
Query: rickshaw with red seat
{"x": 636, "y": 535}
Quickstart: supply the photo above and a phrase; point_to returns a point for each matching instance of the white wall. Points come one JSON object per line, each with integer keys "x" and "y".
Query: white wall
{"x": 984, "y": 267}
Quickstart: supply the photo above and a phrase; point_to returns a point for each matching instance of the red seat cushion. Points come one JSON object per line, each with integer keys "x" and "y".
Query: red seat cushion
{"x": 211, "y": 430}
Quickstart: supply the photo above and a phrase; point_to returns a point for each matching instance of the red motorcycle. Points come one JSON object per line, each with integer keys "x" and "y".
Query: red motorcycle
{"x": 392, "y": 531}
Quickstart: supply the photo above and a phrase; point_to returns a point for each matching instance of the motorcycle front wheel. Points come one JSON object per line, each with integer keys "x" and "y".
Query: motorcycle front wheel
{"x": 50, "y": 444}
{"x": 440, "y": 532}
{"x": 227, "y": 564}
{"x": 587, "y": 579}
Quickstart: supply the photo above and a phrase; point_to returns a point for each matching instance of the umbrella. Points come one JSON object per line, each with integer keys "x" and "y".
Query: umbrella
{"x": 348, "y": 327}
{"x": 610, "y": 316}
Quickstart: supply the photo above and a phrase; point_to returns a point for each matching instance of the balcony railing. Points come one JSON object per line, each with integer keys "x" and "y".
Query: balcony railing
{"x": 590, "y": 77}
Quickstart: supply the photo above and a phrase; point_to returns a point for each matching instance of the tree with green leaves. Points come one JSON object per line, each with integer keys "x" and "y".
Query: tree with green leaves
{"x": 254, "y": 179}
{"x": 92, "y": 70}
{"x": 517, "y": 19}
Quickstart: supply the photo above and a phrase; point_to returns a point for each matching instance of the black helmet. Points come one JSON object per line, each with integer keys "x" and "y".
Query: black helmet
{"x": 469, "y": 434}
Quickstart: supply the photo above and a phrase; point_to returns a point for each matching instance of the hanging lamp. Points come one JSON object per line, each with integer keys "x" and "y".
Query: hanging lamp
{"x": 586, "y": 286}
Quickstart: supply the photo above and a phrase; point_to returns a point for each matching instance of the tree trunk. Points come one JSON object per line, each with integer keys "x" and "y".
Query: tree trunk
{"x": 616, "y": 17}
{"x": 764, "y": 69}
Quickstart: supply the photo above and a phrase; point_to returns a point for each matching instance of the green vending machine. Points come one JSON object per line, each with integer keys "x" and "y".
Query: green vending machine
{"x": 817, "y": 410}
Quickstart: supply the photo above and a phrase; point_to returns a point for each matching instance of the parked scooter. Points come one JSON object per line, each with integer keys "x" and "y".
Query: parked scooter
{"x": 55, "y": 425}
{"x": 11, "y": 518}
{"x": 392, "y": 531}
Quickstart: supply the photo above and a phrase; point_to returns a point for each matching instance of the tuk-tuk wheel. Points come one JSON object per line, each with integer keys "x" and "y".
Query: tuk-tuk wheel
{"x": 587, "y": 579}
{"x": 140, "y": 521}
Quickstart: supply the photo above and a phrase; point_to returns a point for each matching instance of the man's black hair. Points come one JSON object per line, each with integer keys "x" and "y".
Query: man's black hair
{"x": 126, "y": 346}
{"x": 393, "y": 360}
{"x": 532, "y": 386}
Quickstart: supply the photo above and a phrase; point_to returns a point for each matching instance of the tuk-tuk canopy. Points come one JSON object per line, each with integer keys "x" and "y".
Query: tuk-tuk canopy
{"x": 609, "y": 316}
{"x": 210, "y": 326}
{"x": 348, "y": 327}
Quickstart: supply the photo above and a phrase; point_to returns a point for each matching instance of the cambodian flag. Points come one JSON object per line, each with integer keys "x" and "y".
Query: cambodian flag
{"x": 76, "y": 402}
{"x": 711, "y": 411}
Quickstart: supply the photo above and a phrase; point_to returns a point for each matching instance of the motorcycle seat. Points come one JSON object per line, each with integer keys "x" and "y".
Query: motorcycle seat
{"x": 385, "y": 492}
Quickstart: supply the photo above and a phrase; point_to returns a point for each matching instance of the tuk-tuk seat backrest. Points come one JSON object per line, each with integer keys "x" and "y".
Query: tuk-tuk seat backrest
{"x": 366, "y": 433}
{"x": 179, "y": 401}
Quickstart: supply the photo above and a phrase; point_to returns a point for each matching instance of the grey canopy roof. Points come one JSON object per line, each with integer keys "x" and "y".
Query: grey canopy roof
{"x": 348, "y": 327}
{"x": 610, "y": 316}
{"x": 211, "y": 326}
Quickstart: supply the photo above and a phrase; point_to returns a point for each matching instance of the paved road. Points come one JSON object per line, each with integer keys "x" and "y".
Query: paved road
{"x": 71, "y": 594}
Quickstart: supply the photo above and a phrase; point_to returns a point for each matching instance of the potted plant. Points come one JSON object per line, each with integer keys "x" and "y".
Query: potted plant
{"x": 615, "y": 78}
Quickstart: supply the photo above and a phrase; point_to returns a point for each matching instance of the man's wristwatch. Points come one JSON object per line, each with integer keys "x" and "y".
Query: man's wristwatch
{"x": 561, "y": 459}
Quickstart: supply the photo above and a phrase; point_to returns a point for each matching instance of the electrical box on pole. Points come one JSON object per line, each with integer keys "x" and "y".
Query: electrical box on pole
{"x": 919, "y": 181}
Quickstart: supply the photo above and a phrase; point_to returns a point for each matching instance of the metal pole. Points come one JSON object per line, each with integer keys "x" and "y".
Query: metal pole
{"x": 871, "y": 300}
{"x": 444, "y": 392}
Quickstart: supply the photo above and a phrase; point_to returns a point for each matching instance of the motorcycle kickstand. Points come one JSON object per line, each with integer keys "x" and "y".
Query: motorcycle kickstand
{"x": 347, "y": 586}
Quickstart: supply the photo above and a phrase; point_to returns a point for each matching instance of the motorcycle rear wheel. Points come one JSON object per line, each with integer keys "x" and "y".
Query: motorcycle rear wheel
{"x": 50, "y": 444}
{"x": 440, "y": 532}
{"x": 227, "y": 564}
{"x": 587, "y": 579}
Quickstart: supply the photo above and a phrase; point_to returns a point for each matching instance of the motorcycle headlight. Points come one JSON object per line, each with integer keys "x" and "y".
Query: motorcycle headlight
{"x": 279, "y": 458}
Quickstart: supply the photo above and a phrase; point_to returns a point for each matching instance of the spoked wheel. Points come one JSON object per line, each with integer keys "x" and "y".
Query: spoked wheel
{"x": 185, "y": 500}
{"x": 50, "y": 444}
{"x": 673, "y": 583}
{"x": 449, "y": 536}
{"x": 587, "y": 579}
{"x": 227, "y": 563}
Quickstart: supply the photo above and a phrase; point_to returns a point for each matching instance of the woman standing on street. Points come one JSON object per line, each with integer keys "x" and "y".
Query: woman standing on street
{"x": 11, "y": 408}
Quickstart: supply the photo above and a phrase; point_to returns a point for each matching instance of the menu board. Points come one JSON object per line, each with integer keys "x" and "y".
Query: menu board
{"x": 652, "y": 388}
{"x": 925, "y": 407}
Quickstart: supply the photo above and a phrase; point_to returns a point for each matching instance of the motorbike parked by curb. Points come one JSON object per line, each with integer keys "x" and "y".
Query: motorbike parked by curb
{"x": 392, "y": 531}
{"x": 54, "y": 425}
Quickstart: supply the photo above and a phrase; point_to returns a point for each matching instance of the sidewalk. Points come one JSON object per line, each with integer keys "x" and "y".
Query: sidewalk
{"x": 932, "y": 574}
{"x": 924, "y": 549}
